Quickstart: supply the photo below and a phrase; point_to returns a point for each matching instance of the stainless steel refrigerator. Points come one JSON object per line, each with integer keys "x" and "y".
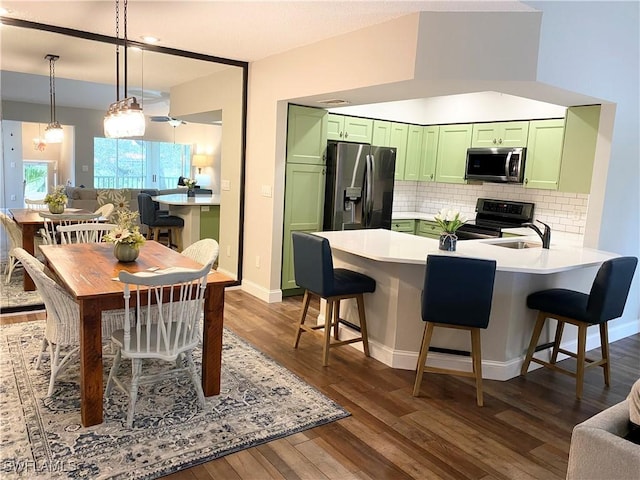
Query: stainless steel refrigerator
{"x": 359, "y": 186}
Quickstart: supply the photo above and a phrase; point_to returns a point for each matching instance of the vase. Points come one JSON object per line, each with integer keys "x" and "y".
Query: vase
{"x": 56, "y": 208}
{"x": 125, "y": 252}
{"x": 191, "y": 193}
{"x": 448, "y": 241}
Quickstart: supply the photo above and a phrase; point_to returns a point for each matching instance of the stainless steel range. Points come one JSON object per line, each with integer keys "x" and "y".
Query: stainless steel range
{"x": 492, "y": 216}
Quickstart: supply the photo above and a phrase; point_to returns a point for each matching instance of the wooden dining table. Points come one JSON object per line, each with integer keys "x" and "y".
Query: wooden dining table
{"x": 89, "y": 272}
{"x": 30, "y": 221}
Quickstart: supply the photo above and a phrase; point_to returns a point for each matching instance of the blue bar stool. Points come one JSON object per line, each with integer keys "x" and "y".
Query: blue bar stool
{"x": 604, "y": 302}
{"x": 457, "y": 294}
{"x": 313, "y": 268}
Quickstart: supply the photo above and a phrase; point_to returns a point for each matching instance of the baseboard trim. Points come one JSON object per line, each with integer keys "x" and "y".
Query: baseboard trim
{"x": 269, "y": 296}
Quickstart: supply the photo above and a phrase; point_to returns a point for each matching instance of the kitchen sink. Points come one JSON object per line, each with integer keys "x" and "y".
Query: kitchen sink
{"x": 518, "y": 244}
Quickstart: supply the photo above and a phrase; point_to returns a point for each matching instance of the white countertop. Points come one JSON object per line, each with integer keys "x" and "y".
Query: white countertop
{"x": 563, "y": 238}
{"x": 183, "y": 200}
{"x": 389, "y": 246}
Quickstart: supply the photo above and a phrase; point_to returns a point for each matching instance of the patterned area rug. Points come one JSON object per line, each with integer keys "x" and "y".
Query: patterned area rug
{"x": 14, "y": 298}
{"x": 41, "y": 437}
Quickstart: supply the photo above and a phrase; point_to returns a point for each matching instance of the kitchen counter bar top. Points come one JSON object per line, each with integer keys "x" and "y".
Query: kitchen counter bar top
{"x": 389, "y": 246}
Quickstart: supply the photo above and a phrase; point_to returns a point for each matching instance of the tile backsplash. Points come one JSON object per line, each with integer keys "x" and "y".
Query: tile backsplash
{"x": 564, "y": 212}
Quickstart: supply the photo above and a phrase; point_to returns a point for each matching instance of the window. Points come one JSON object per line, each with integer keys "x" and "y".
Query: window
{"x": 125, "y": 163}
{"x": 36, "y": 179}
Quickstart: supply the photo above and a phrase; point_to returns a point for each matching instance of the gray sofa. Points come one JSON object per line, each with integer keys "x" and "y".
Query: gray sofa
{"x": 598, "y": 450}
{"x": 93, "y": 198}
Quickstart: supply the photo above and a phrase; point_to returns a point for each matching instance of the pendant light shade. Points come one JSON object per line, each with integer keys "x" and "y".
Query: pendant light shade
{"x": 53, "y": 133}
{"x": 124, "y": 117}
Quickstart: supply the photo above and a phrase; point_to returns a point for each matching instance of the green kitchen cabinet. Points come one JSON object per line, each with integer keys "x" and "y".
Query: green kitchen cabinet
{"x": 579, "y": 148}
{"x": 415, "y": 136}
{"x": 381, "y": 133}
{"x": 398, "y": 139}
{"x": 306, "y": 135}
{"x": 500, "y": 134}
{"x": 544, "y": 154}
{"x": 349, "y": 129}
{"x": 429, "y": 154}
{"x": 210, "y": 222}
{"x": 453, "y": 142}
{"x": 303, "y": 210}
{"x": 429, "y": 229}
{"x": 404, "y": 226}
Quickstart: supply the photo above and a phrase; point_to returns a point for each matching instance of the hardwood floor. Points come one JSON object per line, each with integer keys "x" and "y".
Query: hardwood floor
{"x": 523, "y": 431}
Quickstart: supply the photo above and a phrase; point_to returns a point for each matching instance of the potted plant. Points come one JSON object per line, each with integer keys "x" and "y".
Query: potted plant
{"x": 56, "y": 200}
{"x": 449, "y": 221}
{"x": 126, "y": 237}
{"x": 191, "y": 185}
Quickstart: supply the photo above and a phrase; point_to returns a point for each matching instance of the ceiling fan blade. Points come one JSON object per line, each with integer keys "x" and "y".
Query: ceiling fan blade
{"x": 174, "y": 122}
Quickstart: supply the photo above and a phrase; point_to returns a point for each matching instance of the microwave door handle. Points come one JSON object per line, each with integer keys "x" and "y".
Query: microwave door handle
{"x": 506, "y": 165}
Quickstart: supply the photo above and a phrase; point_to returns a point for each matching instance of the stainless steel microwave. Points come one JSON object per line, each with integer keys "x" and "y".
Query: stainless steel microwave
{"x": 502, "y": 165}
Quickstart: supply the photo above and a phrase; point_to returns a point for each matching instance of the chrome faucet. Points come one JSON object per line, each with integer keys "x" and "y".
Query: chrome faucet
{"x": 546, "y": 236}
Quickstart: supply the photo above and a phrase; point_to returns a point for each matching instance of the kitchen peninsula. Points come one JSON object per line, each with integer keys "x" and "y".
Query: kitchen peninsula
{"x": 397, "y": 262}
{"x": 201, "y": 215}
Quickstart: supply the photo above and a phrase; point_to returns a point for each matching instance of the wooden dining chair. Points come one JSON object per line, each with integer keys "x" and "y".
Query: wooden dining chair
{"x": 83, "y": 232}
{"x": 168, "y": 334}
{"x": 62, "y": 328}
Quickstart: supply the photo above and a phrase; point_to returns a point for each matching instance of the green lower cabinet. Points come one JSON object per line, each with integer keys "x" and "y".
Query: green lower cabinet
{"x": 404, "y": 226}
{"x": 453, "y": 142}
{"x": 303, "y": 212}
{"x": 427, "y": 228}
{"x": 210, "y": 222}
{"x": 544, "y": 154}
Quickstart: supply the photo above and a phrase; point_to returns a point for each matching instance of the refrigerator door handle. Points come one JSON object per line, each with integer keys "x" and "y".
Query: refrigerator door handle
{"x": 368, "y": 200}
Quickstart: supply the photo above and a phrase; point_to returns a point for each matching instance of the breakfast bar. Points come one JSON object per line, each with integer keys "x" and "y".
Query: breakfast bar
{"x": 201, "y": 215}
{"x": 397, "y": 262}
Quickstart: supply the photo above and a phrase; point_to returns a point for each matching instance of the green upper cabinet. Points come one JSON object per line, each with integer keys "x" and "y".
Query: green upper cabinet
{"x": 500, "y": 134}
{"x": 415, "y": 140}
{"x": 303, "y": 212}
{"x": 381, "y": 133}
{"x": 349, "y": 129}
{"x": 544, "y": 154}
{"x": 453, "y": 142}
{"x": 398, "y": 139}
{"x": 579, "y": 148}
{"x": 306, "y": 135}
{"x": 429, "y": 154}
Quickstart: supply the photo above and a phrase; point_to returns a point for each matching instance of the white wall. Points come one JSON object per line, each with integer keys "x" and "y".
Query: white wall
{"x": 593, "y": 47}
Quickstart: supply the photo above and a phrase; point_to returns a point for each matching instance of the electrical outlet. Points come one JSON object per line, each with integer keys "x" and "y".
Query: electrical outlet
{"x": 266, "y": 190}
{"x": 13, "y": 197}
{"x": 228, "y": 250}
{"x": 225, "y": 185}
{"x": 257, "y": 261}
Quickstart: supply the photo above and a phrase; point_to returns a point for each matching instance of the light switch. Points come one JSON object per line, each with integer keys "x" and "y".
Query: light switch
{"x": 225, "y": 185}
{"x": 12, "y": 164}
{"x": 85, "y": 168}
{"x": 266, "y": 190}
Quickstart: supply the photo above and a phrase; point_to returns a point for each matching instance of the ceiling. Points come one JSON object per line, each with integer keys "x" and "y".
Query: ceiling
{"x": 237, "y": 30}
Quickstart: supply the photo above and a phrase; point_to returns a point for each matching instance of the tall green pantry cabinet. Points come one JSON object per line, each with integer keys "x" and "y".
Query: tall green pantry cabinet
{"x": 304, "y": 181}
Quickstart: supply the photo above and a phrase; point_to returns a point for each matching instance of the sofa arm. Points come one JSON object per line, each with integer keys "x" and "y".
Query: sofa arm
{"x": 598, "y": 449}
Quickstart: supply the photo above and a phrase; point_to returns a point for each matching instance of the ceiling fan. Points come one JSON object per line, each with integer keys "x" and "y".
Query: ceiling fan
{"x": 174, "y": 122}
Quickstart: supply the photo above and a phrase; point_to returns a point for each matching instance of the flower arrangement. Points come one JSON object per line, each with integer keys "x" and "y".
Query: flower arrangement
{"x": 125, "y": 231}
{"x": 190, "y": 183}
{"x": 449, "y": 220}
{"x": 57, "y": 197}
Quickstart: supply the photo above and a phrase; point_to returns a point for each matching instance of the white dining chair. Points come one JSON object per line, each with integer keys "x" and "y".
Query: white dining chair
{"x": 83, "y": 232}
{"x": 33, "y": 204}
{"x": 52, "y": 220}
{"x": 203, "y": 251}
{"x": 168, "y": 334}
{"x": 14, "y": 235}
{"x": 62, "y": 328}
{"x": 105, "y": 211}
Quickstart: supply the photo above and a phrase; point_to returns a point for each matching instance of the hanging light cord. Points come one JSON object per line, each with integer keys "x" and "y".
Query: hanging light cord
{"x": 52, "y": 87}
{"x": 125, "y": 49}
{"x": 117, "y": 50}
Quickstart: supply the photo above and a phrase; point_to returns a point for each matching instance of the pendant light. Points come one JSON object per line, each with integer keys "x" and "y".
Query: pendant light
{"x": 53, "y": 133}
{"x": 124, "y": 117}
